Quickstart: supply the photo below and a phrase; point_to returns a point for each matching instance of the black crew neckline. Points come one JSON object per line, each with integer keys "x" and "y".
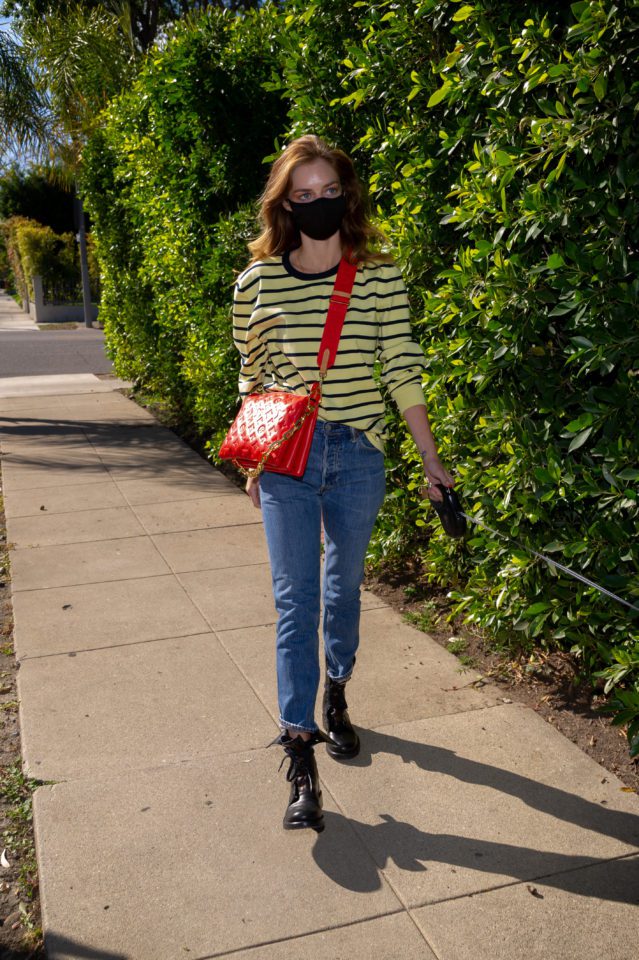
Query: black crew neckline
{"x": 288, "y": 266}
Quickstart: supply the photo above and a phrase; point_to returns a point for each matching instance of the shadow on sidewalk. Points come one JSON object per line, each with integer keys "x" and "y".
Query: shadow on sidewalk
{"x": 143, "y": 445}
{"x": 554, "y": 801}
{"x": 411, "y": 848}
{"x": 58, "y": 946}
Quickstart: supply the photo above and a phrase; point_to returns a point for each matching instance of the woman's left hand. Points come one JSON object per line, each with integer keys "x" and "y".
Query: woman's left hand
{"x": 435, "y": 473}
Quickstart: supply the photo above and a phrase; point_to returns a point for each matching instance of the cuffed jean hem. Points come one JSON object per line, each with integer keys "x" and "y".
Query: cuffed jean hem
{"x": 296, "y": 726}
{"x": 341, "y": 679}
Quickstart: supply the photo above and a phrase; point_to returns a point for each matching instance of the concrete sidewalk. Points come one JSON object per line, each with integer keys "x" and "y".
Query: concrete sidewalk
{"x": 468, "y": 828}
{"x": 12, "y": 316}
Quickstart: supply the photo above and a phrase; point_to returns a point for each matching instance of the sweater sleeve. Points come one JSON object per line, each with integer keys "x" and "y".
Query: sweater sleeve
{"x": 401, "y": 357}
{"x": 253, "y": 352}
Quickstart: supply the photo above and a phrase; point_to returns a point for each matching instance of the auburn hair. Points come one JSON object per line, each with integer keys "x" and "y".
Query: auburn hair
{"x": 280, "y": 234}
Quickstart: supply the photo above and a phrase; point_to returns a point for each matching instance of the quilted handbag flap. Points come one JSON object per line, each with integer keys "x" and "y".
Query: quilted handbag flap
{"x": 263, "y": 418}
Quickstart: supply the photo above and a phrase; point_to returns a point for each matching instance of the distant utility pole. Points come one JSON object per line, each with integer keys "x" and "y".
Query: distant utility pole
{"x": 81, "y": 237}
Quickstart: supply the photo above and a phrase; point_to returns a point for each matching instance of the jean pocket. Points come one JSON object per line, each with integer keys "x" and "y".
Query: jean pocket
{"x": 362, "y": 441}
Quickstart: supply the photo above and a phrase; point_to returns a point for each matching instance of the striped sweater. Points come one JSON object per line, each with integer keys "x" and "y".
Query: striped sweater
{"x": 278, "y": 321}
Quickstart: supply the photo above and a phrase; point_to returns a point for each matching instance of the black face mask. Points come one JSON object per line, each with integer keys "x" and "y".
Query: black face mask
{"x": 321, "y": 218}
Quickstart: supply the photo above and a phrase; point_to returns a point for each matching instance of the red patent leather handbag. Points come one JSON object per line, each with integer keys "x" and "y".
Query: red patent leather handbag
{"x": 274, "y": 428}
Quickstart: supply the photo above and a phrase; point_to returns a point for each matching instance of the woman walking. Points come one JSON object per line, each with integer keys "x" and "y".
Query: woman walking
{"x": 313, "y": 214}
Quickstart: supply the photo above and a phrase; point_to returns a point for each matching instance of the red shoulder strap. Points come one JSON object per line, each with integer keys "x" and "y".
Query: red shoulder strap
{"x": 340, "y": 299}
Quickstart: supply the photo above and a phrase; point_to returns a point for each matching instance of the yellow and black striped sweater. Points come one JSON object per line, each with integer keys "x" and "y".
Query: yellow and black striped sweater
{"x": 278, "y": 321}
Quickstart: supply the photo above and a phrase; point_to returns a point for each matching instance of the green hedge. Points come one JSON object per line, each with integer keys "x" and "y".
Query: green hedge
{"x": 178, "y": 156}
{"x": 503, "y": 162}
{"x": 16, "y": 278}
{"x": 498, "y": 142}
{"x": 36, "y": 250}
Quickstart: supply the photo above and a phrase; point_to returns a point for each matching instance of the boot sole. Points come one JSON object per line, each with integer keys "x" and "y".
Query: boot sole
{"x": 317, "y": 826}
{"x": 337, "y": 754}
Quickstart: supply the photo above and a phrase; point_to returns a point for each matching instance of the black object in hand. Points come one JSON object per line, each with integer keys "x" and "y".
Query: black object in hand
{"x": 449, "y": 511}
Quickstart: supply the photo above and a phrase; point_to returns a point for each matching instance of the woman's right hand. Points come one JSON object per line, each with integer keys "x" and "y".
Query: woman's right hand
{"x": 253, "y": 490}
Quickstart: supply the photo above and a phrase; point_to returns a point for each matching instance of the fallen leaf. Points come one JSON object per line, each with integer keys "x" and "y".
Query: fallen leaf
{"x": 534, "y": 892}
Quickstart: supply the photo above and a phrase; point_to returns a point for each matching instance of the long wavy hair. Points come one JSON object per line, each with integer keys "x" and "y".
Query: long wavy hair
{"x": 279, "y": 233}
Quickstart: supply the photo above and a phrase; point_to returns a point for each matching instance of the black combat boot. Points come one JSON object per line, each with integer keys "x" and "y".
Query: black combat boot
{"x": 342, "y": 742}
{"x": 305, "y": 802}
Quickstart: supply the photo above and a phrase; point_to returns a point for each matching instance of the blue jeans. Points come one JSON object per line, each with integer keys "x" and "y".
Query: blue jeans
{"x": 343, "y": 486}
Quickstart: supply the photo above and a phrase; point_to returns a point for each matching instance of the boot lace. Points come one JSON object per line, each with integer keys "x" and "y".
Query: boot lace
{"x": 298, "y": 766}
{"x": 298, "y": 755}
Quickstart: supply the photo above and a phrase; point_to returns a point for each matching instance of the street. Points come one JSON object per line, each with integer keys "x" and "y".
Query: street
{"x": 36, "y": 352}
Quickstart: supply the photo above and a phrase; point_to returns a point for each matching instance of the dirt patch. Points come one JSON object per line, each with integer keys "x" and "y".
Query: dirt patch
{"x": 545, "y": 681}
{"x": 20, "y": 933}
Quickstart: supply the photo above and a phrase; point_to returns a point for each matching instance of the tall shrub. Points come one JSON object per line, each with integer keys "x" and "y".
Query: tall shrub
{"x": 178, "y": 155}
{"x": 538, "y": 312}
{"x": 502, "y": 160}
{"x": 16, "y": 277}
{"x": 36, "y": 250}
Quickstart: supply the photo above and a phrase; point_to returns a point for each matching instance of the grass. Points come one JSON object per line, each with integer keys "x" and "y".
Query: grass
{"x": 457, "y": 645}
{"x": 427, "y": 618}
{"x": 64, "y": 325}
{"x": 16, "y": 791}
{"x": 424, "y": 619}
{"x": 468, "y": 663}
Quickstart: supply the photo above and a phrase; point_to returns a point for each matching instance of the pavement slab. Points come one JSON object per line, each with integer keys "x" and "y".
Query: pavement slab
{"x": 384, "y": 938}
{"x": 452, "y": 806}
{"x": 192, "y": 858}
{"x": 197, "y": 514}
{"x": 58, "y": 384}
{"x": 234, "y": 597}
{"x": 234, "y": 546}
{"x": 69, "y": 498}
{"x": 149, "y": 448}
{"x": 418, "y": 679}
{"x": 47, "y": 456}
{"x": 91, "y": 616}
{"x": 114, "y": 409}
{"x": 49, "y": 529}
{"x": 94, "y": 562}
{"x": 29, "y": 449}
{"x": 167, "y": 489}
{"x": 29, "y": 407}
{"x": 587, "y": 913}
{"x": 103, "y": 712}
{"x": 73, "y": 467}
{"x": 80, "y": 470}
{"x": 116, "y": 438}
{"x": 17, "y": 323}
{"x": 17, "y": 432}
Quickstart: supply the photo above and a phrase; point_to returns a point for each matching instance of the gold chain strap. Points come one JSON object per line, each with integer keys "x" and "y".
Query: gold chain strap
{"x": 252, "y": 472}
